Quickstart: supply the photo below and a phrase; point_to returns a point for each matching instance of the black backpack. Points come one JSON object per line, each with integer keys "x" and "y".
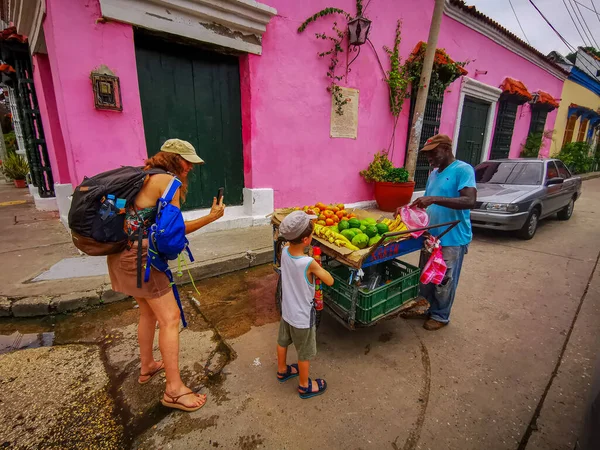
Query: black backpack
{"x": 94, "y": 232}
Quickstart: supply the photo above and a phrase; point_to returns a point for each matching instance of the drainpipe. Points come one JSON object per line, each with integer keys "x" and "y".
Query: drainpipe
{"x": 417, "y": 120}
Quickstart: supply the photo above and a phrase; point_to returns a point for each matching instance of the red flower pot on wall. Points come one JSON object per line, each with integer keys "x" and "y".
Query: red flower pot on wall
{"x": 390, "y": 196}
{"x": 20, "y": 183}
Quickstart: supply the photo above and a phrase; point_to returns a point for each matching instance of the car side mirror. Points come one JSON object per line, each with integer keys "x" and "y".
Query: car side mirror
{"x": 554, "y": 181}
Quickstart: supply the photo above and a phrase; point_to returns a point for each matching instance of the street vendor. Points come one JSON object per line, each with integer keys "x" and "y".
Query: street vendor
{"x": 449, "y": 195}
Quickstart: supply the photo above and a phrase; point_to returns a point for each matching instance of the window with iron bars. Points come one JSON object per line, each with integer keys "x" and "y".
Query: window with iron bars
{"x": 431, "y": 127}
{"x": 505, "y": 124}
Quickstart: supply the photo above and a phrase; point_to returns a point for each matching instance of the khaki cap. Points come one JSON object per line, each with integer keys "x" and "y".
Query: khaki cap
{"x": 183, "y": 149}
{"x": 436, "y": 140}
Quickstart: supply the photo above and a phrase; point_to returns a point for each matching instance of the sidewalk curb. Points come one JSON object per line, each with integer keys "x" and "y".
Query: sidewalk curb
{"x": 39, "y": 306}
{"x": 589, "y": 176}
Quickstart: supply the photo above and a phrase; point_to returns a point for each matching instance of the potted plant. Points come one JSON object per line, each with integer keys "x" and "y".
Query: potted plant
{"x": 16, "y": 167}
{"x": 392, "y": 186}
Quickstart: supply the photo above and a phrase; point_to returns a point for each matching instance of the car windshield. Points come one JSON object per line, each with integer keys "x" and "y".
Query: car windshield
{"x": 509, "y": 172}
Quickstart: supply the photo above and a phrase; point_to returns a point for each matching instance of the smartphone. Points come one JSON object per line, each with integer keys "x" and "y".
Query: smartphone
{"x": 220, "y": 195}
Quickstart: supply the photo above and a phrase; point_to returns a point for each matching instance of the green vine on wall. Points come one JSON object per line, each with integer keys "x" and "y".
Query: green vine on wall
{"x": 398, "y": 77}
{"x": 336, "y": 41}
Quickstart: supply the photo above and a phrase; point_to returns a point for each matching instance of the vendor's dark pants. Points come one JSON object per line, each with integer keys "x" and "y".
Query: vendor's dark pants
{"x": 441, "y": 297}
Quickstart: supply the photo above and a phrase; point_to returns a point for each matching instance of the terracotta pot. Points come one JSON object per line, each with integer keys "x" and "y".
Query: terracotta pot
{"x": 20, "y": 183}
{"x": 390, "y": 196}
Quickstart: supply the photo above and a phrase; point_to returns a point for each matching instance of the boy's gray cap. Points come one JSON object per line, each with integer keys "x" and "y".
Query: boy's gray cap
{"x": 294, "y": 225}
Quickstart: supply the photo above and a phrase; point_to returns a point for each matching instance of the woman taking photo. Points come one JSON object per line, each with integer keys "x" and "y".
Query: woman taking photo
{"x": 155, "y": 298}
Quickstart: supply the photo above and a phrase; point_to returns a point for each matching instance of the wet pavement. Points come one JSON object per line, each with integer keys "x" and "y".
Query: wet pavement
{"x": 79, "y": 372}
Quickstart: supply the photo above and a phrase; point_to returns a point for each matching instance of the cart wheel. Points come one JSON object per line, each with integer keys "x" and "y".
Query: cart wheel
{"x": 278, "y": 295}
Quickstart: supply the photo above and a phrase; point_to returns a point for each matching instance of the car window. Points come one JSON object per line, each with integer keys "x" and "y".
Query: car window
{"x": 511, "y": 172}
{"x": 563, "y": 172}
{"x": 552, "y": 171}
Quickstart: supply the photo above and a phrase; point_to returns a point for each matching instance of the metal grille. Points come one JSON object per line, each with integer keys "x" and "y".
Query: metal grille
{"x": 33, "y": 131}
{"x": 505, "y": 125}
{"x": 538, "y": 120}
{"x": 12, "y": 101}
{"x": 431, "y": 127}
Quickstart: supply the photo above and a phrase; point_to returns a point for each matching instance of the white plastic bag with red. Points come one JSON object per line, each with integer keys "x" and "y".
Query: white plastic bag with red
{"x": 435, "y": 268}
{"x": 414, "y": 218}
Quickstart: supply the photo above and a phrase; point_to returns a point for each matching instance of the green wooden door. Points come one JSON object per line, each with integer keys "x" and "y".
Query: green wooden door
{"x": 472, "y": 131}
{"x": 505, "y": 124}
{"x": 194, "y": 94}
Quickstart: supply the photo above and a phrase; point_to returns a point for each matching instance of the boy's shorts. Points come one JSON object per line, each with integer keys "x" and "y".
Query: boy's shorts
{"x": 304, "y": 339}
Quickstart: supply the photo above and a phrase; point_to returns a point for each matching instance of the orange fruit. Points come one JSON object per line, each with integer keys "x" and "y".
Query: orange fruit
{"x": 329, "y": 222}
{"x": 341, "y": 206}
{"x": 320, "y": 205}
{"x": 352, "y": 216}
{"x": 339, "y": 214}
{"x": 317, "y": 211}
{"x": 335, "y": 209}
{"x": 310, "y": 212}
{"x": 322, "y": 217}
{"x": 344, "y": 213}
{"x": 328, "y": 213}
{"x": 335, "y": 218}
{"x": 321, "y": 222}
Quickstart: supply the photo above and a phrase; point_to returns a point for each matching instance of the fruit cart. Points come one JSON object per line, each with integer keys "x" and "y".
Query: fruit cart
{"x": 370, "y": 285}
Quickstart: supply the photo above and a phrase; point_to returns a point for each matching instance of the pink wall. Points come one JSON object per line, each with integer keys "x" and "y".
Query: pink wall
{"x": 464, "y": 44}
{"x": 42, "y": 78}
{"x": 94, "y": 140}
{"x": 286, "y": 137}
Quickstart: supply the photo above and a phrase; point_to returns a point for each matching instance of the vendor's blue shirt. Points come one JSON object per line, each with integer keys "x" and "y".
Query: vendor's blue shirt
{"x": 449, "y": 183}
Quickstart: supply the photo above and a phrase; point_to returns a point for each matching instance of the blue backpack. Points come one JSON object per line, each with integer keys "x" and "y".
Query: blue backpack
{"x": 166, "y": 239}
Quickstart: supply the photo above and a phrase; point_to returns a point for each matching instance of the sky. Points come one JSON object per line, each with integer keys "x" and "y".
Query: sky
{"x": 537, "y": 31}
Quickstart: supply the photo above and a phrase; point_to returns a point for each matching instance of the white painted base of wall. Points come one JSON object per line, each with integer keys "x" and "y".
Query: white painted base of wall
{"x": 63, "y": 194}
{"x": 42, "y": 204}
{"x": 257, "y": 205}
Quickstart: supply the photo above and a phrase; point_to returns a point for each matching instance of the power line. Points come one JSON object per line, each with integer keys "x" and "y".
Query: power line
{"x": 574, "y": 23}
{"x": 518, "y": 21}
{"x": 595, "y": 11}
{"x": 569, "y": 46}
{"x": 584, "y": 25}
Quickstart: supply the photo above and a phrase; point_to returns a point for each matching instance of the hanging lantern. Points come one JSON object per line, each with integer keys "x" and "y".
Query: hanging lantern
{"x": 358, "y": 30}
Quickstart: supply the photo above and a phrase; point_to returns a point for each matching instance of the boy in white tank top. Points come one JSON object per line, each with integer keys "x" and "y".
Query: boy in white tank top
{"x": 297, "y": 325}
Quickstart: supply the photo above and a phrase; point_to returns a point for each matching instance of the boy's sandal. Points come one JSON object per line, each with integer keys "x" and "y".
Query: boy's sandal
{"x": 151, "y": 374}
{"x": 283, "y": 377}
{"x": 306, "y": 392}
{"x": 175, "y": 404}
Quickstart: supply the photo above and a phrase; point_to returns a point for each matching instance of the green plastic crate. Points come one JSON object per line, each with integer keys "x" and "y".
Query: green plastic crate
{"x": 375, "y": 304}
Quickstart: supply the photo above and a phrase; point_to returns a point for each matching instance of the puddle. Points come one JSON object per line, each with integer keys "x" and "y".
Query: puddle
{"x": 236, "y": 302}
{"x": 18, "y": 341}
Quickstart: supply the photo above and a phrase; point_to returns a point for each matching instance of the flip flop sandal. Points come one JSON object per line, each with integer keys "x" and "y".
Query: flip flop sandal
{"x": 307, "y": 391}
{"x": 283, "y": 377}
{"x": 175, "y": 404}
{"x": 152, "y": 374}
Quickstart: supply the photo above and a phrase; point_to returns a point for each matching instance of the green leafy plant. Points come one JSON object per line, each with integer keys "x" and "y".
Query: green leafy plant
{"x": 339, "y": 34}
{"x": 10, "y": 142}
{"x": 15, "y": 167}
{"x": 398, "y": 77}
{"x": 533, "y": 143}
{"x": 576, "y": 156}
{"x": 381, "y": 169}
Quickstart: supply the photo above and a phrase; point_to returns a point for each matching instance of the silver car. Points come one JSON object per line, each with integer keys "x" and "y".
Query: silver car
{"x": 515, "y": 194}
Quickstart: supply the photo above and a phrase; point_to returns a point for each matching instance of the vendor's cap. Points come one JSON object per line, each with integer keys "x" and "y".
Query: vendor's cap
{"x": 294, "y": 225}
{"x": 183, "y": 149}
{"x": 436, "y": 140}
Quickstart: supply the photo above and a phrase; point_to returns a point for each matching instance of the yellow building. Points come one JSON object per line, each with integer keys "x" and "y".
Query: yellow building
{"x": 572, "y": 124}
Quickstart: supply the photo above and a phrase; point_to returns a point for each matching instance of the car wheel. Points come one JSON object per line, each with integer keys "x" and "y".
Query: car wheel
{"x": 530, "y": 227}
{"x": 567, "y": 211}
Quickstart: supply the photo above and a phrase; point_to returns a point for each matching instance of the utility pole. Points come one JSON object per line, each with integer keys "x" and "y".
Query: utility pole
{"x": 417, "y": 119}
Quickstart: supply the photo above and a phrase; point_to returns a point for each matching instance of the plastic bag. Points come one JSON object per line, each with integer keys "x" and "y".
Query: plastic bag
{"x": 435, "y": 268}
{"x": 414, "y": 218}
